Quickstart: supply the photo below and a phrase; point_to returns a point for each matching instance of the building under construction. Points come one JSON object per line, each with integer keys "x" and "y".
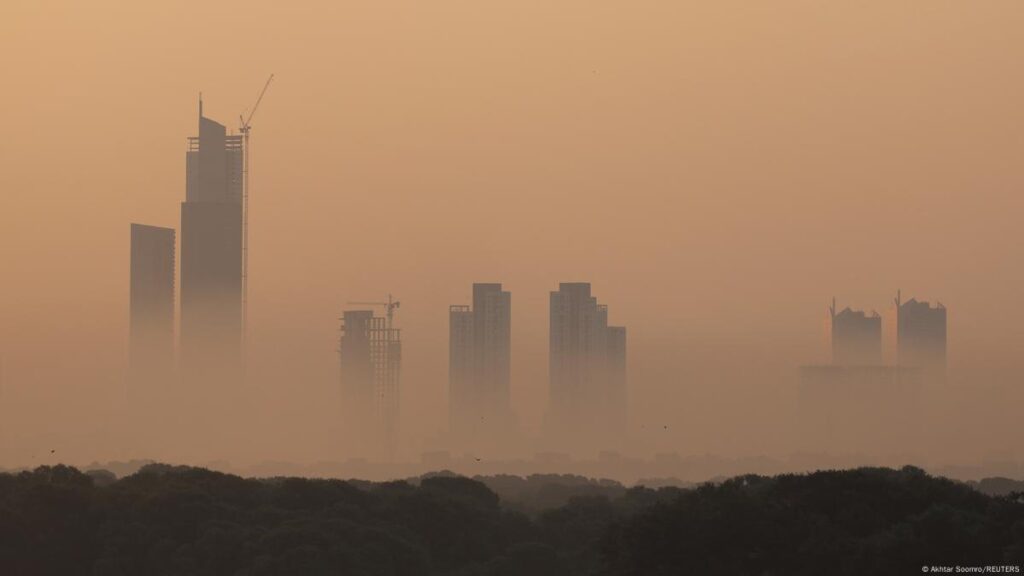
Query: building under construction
{"x": 855, "y": 337}
{"x": 917, "y": 337}
{"x": 370, "y": 357}
{"x": 211, "y": 256}
{"x": 214, "y": 251}
{"x": 857, "y": 402}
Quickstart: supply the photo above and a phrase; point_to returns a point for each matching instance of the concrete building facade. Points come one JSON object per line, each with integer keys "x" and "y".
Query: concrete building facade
{"x": 587, "y": 376}
{"x": 151, "y": 309}
{"x": 479, "y": 369}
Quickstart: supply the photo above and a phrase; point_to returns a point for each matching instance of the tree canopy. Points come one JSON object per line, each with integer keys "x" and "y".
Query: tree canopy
{"x": 166, "y": 520}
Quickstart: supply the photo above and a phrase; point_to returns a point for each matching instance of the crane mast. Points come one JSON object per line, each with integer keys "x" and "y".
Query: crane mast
{"x": 245, "y": 125}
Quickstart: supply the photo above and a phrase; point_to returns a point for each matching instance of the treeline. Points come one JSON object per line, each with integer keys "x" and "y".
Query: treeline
{"x": 167, "y": 520}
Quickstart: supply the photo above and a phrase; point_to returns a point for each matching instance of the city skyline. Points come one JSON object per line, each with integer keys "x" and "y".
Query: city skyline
{"x": 715, "y": 180}
{"x": 488, "y": 288}
{"x": 587, "y": 381}
{"x": 587, "y": 402}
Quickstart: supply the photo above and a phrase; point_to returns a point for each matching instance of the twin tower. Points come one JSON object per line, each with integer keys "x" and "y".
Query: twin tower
{"x": 212, "y": 269}
{"x": 877, "y": 394}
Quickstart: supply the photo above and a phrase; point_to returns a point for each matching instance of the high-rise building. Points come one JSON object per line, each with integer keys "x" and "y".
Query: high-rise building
{"x": 151, "y": 309}
{"x": 586, "y": 370}
{"x": 855, "y": 337}
{"x": 370, "y": 355}
{"x": 479, "y": 369}
{"x": 918, "y": 331}
{"x": 211, "y": 255}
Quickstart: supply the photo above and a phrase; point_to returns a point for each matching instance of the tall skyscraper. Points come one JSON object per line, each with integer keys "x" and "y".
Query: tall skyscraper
{"x": 479, "y": 369}
{"x": 211, "y": 255}
{"x": 918, "y": 331}
{"x": 370, "y": 356}
{"x": 855, "y": 337}
{"x": 151, "y": 310}
{"x": 587, "y": 370}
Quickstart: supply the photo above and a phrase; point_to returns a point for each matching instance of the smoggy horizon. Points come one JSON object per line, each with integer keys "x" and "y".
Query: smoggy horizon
{"x": 717, "y": 173}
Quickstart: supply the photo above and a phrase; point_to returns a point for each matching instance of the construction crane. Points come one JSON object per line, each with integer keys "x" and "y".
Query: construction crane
{"x": 245, "y": 125}
{"x": 389, "y": 307}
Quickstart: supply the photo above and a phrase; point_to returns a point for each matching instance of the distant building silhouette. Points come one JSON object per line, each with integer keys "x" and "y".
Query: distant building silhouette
{"x": 356, "y": 366}
{"x": 587, "y": 370}
{"x": 918, "y": 331}
{"x": 151, "y": 309}
{"x": 370, "y": 356}
{"x": 479, "y": 369}
{"x": 461, "y": 369}
{"x": 211, "y": 254}
{"x": 855, "y": 337}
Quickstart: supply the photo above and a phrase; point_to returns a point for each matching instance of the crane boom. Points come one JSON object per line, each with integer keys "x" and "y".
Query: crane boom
{"x": 389, "y": 307}
{"x": 246, "y": 124}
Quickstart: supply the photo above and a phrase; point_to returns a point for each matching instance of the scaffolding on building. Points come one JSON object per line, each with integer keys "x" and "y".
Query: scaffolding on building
{"x": 370, "y": 352}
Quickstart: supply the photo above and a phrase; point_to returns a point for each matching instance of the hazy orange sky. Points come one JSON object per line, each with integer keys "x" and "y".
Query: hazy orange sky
{"x": 717, "y": 170}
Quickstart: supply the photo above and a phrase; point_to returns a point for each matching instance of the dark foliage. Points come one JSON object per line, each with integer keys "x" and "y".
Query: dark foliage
{"x": 168, "y": 520}
{"x": 539, "y": 492}
{"x": 865, "y": 521}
